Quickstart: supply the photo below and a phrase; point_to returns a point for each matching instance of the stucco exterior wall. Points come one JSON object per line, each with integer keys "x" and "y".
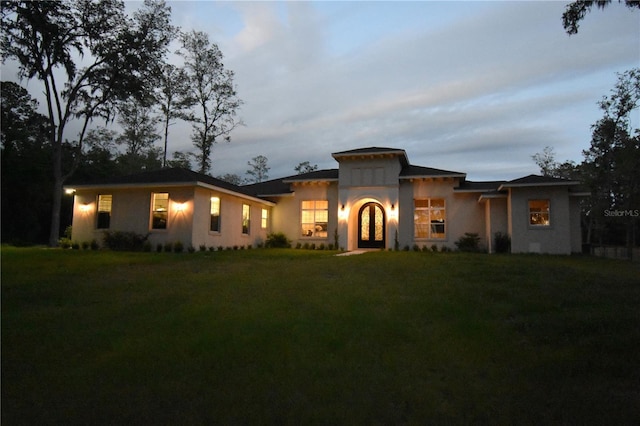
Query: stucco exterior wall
{"x": 552, "y": 239}
{"x": 131, "y": 212}
{"x": 496, "y": 220}
{"x": 230, "y": 234}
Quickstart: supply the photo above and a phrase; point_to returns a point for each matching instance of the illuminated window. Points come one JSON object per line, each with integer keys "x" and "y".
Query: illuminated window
{"x": 159, "y": 210}
{"x": 215, "y": 214}
{"x": 245, "y": 218}
{"x": 315, "y": 218}
{"x": 104, "y": 211}
{"x": 539, "y": 213}
{"x": 429, "y": 218}
{"x": 265, "y": 218}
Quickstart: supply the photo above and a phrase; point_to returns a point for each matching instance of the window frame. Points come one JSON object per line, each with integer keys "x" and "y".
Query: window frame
{"x": 541, "y": 213}
{"x": 246, "y": 220}
{"x": 218, "y": 221}
{"x": 313, "y": 231}
{"x": 432, "y": 220}
{"x": 99, "y": 210}
{"x": 154, "y": 211}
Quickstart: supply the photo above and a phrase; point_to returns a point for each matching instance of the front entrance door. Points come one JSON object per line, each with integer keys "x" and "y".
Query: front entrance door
{"x": 371, "y": 226}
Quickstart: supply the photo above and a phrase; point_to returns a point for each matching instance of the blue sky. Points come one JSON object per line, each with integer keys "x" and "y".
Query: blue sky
{"x": 476, "y": 87}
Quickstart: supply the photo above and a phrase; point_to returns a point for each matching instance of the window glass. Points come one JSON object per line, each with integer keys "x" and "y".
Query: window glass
{"x": 215, "y": 215}
{"x": 104, "y": 211}
{"x": 265, "y": 219}
{"x": 539, "y": 214}
{"x": 314, "y": 218}
{"x": 159, "y": 210}
{"x": 429, "y": 218}
{"x": 245, "y": 218}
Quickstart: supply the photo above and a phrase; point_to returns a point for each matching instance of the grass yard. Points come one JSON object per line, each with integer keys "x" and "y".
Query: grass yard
{"x": 300, "y": 337}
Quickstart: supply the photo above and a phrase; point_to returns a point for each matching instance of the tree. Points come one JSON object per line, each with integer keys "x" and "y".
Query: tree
{"x": 180, "y": 159}
{"x": 576, "y": 11}
{"x": 173, "y": 100}
{"x": 26, "y": 153}
{"x": 139, "y": 126}
{"x": 259, "y": 170}
{"x": 550, "y": 167}
{"x": 211, "y": 90}
{"x": 611, "y": 163}
{"x": 118, "y": 54}
{"x": 98, "y": 157}
{"x": 305, "y": 167}
{"x": 232, "y": 178}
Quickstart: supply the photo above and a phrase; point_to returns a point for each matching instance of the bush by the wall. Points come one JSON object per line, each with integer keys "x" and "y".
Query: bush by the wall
{"x": 469, "y": 242}
{"x": 502, "y": 243}
{"x": 277, "y": 240}
{"x": 124, "y": 241}
{"x": 178, "y": 247}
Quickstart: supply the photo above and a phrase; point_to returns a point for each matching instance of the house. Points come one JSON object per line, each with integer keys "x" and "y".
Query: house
{"x": 375, "y": 199}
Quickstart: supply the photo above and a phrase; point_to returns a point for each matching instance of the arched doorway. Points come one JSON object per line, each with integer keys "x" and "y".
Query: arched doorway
{"x": 371, "y": 226}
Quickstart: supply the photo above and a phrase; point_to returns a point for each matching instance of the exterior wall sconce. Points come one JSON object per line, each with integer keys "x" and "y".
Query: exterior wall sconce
{"x": 180, "y": 207}
{"x": 343, "y": 214}
{"x": 85, "y": 208}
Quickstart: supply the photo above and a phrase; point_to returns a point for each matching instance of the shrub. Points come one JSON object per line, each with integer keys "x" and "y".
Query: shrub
{"x": 75, "y": 246}
{"x": 146, "y": 247}
{"x": 396, "y": 242}
{"x": 330, "y": 247}
{"x": 159, "y": 248}
{"x": 406, "y": 248}
{"x": 277, "y": 240}
{"x": 416, "y": 247}
{"x": 192, "y": 249}
{"x": 85, "y": 245}
{"x": 336, "y": 238}
{"x": 321, "y": 246}
{"x": 94, "y": 245}
{"x": 502, "y": 243}
{"x": 124, "y": 241}
{"x": 212, "y": 248}
{"x": 425, "y": 249}
{"x": 178, "y": 247}
{"x": 203, "y": 247}
{"x": 305, "y": 246}
{"x": 313, "y": 246}
{"x": 168, "y": 247}
{"x": 298, "y": 246}
{"x": 434, "y": 248}
{"x": 220, "y": 248}
{"x": 469, "y": 242}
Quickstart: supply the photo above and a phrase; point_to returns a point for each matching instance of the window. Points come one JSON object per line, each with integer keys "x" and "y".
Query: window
{"x": 539, "y": 213}
{"x": 429, "y": 218}
{"x": 104, "y": 211}
{"x": 315, "y": 218}
{"x": 245, "y": 219}
{"x": 159, "y": 210}
{"x": 215, "y": 214}
{"x": 265, "y": 219}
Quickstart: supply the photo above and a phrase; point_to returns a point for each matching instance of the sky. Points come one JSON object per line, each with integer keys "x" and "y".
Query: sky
{"x": 475, "y": 87}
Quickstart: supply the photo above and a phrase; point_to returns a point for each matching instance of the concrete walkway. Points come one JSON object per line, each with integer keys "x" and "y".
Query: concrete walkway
{"x": 351, "y": 253}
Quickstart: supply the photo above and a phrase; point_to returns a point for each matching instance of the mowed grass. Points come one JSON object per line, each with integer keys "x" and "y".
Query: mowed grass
{"x": 301, "y": 337}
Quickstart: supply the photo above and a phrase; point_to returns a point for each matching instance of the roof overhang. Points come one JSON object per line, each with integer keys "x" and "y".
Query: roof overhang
{"x": 532, "y": 184}
{"x": 168, "y": 185}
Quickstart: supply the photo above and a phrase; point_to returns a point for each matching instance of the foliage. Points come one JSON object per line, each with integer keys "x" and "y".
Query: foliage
{"x": 25, "y": 169}
{"x": 118, "y": 55}
{"x": 502, "y": 243}
{"x": 325, "y": 340}
{"x": 469, "y": 242}
{"x": 124, "y": 241}
{"x": 172, "y": 99}
{"x": 576, "y": 11}
{"x": 210, "y": 88}
{"x": 305, "y": 167}
{"x": 611, "y": 163}
{"x": 232, "y": 178}
{"x": 277, "y": 240}
{"x": 259, "y": 171}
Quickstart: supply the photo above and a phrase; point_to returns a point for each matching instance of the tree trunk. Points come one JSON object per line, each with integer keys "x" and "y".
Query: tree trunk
{"x": 56, "y": 203}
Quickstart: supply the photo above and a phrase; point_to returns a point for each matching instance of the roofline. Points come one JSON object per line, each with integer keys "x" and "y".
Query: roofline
{"x": 284, "y": 194}
{"x": 291, "y": 180}
{"x": 491, "y": 196}
{"x": 453, "y": 175}
{"x": 580, "y": 194}
{"x": 524, "y": 185}
{"x": 170, "y": 185}
{"x": 392, "y": 152}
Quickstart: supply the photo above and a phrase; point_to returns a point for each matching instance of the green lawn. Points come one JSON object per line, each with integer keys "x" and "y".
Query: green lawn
{"x": 300, "y": 337}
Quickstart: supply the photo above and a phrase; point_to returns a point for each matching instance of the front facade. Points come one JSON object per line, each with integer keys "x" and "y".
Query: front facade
{"x": 375, "y": 200}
